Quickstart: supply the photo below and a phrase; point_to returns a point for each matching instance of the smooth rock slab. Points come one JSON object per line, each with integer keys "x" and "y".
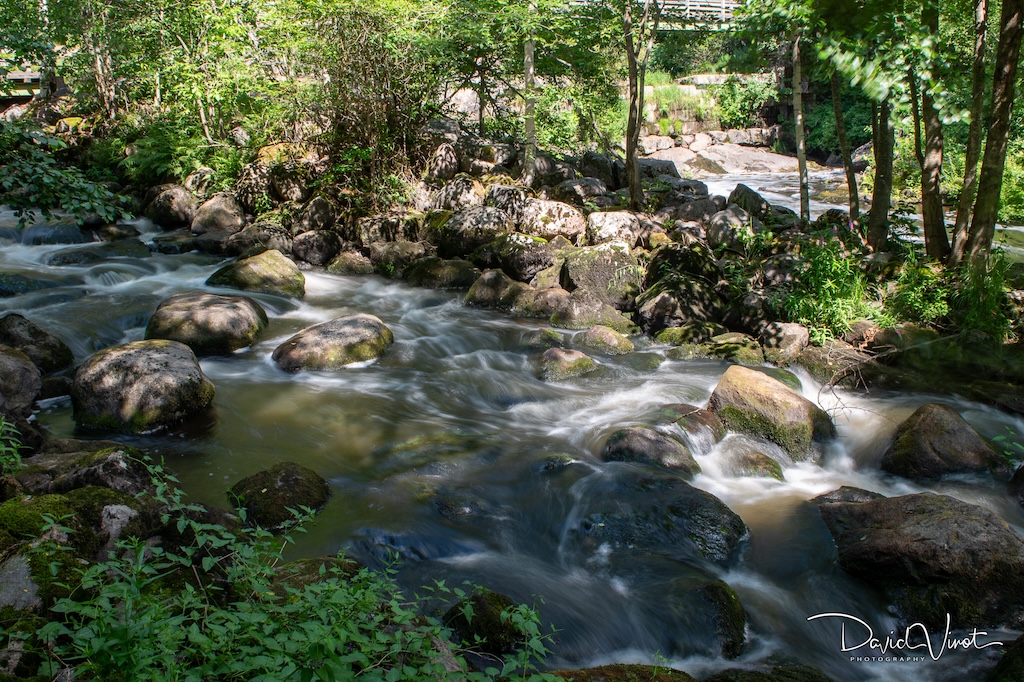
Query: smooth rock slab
{"x": 209, "y": 324}
{"x": 140, "y": 387}
{"x": 334, "y": 344}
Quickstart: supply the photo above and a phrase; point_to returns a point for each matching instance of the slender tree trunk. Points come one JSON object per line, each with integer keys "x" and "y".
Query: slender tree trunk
{"x": 974, "y": 135}
{"x": 915, "y": 113}
{"x": 47, "y": 70}
{"x": 801, "y": 145}
{"x": 878, "y": 218}
{"x": 483, "y": 101}
{"x": 636, "y": 192}
{"x": 845, "y": 150}
{"x": 530, "y": 122}
{"x": 990, "y": 182}
{"x": 936, "y": 241}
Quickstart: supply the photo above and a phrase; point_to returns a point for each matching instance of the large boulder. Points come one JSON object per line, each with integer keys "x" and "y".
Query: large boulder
{"x": 460, "y": 192}
{"x": 470, "y": 228}
{"x": 732, "y": 228}
{"x": 522, "y": 257}
{"x": 441, "y": 274}
{"x": 222, "y": 213}
{"x": 317, "y": 214}
{"x": 558, "y": 364}
{"x": 549, "y": 219}
{"x": 140, "y": 387}
{"x": 634, "y": 512}
{"x": 612, "y": 226}
{"x": 605, "y": 340}
{"x": 933, "y": 555}
{"x": 389, "y": 227}
{"x": 509, "y": 199}
{"x": 934, "y": 441}
{"x": 209, "y": 324}
{"x": 677, "y": 300}
{"x": 608, "y": 271}
{"x": 495, "y": 289}
{"x": 751, "y": 402}
{"x": 171, "y": 207}
{"x": 268, "y": 496}
{"x": 585, "y": 308}
{"x": 784, "y": 341}
{"x": 579, "y": 191}
{"x": 317, "y": 247}
{"x": 751, "y": 202}
{"x": 391, "y": 258}
{"x": 270, "y": 272}
{"x": 63, "y": 465}
{"x": 334, "y": 344}
{"x": 20, "y": 382}
{"x": 45, "y": 350}
{"x": 650, "y": 446}
{"x": 443, "y": 164}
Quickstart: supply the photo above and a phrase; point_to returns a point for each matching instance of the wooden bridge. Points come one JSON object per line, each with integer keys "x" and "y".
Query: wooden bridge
{"x": 687, "y": 15}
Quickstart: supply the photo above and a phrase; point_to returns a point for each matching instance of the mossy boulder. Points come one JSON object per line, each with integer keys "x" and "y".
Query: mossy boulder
{"x": 731, "y": 346}
{"x": 582, "y": 309}
{"x": 270, "y": 272}
{"x": 650, "y": 446}
{"x": 267, "y": 496}
{"x": 522, "y": 257}
{"x": 549, "y": 219}
{"x": 477, "y": 622}
{"x": 728, "y": 617}
{"x": 605, "y": 340}
{"x": 171, "y": 206}
{"x": 20, "y": 382}
{"x": 209, "y": 324}
{"x": 784, "y": 341}
{"x": 350, "y": 263}
{"x": 933, "y": 555}
{"x": 391, "y": 258}
{"x": 558, "y": 364}
{"x": 690, "y": 333}
{"x": 316, "y": 247}
{"x": 608, "y": 271}
{"x": 699, "y": 422}
{"x": 495, "y": 289}
{"x": 221, "y": 213}
{"x": 65, "y": 465}
{"x": 23, "y": 518}
{"x": 45, "y": 350}
{"x": 140, "y": 387}
{"x": 469, "y": 228}
{"x": 749, "y": 460}
{"x": 676, "y": 300}
{"x": 335, "y": 344}
{"x": 441, "y": 274}
{"x": 625, "y": 672}
{"x": 1011, "y": 666}
{"x": 461, "y": 191}
{"x": 748, "y": 401}
{"x": 934, "y": 441}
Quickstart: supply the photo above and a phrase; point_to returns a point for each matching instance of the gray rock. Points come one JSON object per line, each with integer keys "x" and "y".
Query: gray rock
{"x": 391, "y": 258}
{"x": 209, "y": 324}
{"x": 935, "y": 441}
{"x": 317, "y": 214}
{"x": 731, "y": 227}
{"x": 334, "y": 344}
{"x": 605, "y": 340}
{"x": 20, "y": 382}
{"x": 316, "y": 247}
{"x": 558, "y": 364}
{"x": 470, "y": 228}
{"x": 549, "y": 219}
{"x": 511, "y": 200}
{"x": 45, "y": 350}
{"x": 443, "y": 164}
{"x": 460, "y": 192}
{"x": 613, "y": 226}
{"x": 221, "y": 213}
{"x": 649, "y": 446}
{"x": 784, "y": 341}
{"x": 140, "y": 387}
{"x": 171, "y": 207}
{"x": 441, "y": 274}
{"x": 350, "y": 263}
{"x": 579, "y": 191}
{"x": 608, "y": 271}
{"x": 290, "y": 181}
{"x": 267, "y": 496}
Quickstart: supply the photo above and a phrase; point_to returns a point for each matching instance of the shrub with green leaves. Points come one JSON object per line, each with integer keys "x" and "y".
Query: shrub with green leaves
{"x": 207, "y": 606}
{"x": 10, "y": 447}
{"x": 978, "y": 298}
{"x": 920, "y": 293}
{"x": 738, "y": 101}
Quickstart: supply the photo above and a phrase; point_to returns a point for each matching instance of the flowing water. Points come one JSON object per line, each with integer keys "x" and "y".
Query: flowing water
{"x": 451, "y": 454}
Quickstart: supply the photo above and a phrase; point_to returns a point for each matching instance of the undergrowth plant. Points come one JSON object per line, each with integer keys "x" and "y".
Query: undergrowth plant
{"x": 10, "y": 447}
{"x": 207, "y": 606}
{"x": 978, "y": 298}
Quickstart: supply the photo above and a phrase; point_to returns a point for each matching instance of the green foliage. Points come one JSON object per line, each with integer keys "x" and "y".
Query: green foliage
{"x": 978, "y": 301}
{"x": 1011, "y": 198}
{"x": 207, "y": 606}
{"x": 32, "y": 179}
{"x": 1009, "y": 448}
{"x": 920, "y": 293}
{"x": 684, "y": 53}
{"x": 557, "y": 123}
{"x": 830, "y": 292}
{"x": 10, "y": 447}
{"x": 738, "y": 101}
{"x": 820, "y": 122}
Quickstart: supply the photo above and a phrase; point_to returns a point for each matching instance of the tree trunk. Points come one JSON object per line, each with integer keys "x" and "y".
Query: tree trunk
{"x": 844, "y": 149}
{"x": 482, "y": 95}
{"x": 529, "y": 119}
{"x": 936, "y": 241}
{"x": 636, "y": 192}
{"x": 878, "y": 218}
{"x": 990, "y": 182}
{"x": 801, "y": 145}
{"x": 974, "y": 135}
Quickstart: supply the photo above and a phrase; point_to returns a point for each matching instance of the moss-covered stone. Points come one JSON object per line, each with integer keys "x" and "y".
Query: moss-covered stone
{"x": 441, "y": 274}
{"x": 606, "y": 340}
{"x": 649, "y": 446}
{"x": 23, "y": 518}
{"x": 935, "y": 440}
{"x": 755, "y": 464}
{"x": 750, "y": 402}
{"x": 335, "y": 344}
{"x": 46, "y": 351}
{"x": 690, "y": 333}
{"x": 558, "y": 364}
{"x": 266, "y": 496}
{"x": 625, "y": 673}
{"x": 207, "y": 323}
{"x": 735, "y": 347}
{"x": 270, "y": 272}
{"x": 477, "y": 623}
{"x": 1011, "y": 666}
{"x": 730, "y": 620}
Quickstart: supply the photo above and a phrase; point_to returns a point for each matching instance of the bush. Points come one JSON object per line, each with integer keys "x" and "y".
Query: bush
{"x": 920, "y": 294}
{"x": 738, "y": 101}
{"x": 978, "y": 298}
{"x": 210, "y": 608}
{"x": 820, "y": 123}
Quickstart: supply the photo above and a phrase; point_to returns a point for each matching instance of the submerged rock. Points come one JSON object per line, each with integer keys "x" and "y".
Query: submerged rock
{"x": 266, "y": 496}
{"x": 334, "y": 344}
{"x": 207, "y": 323}
{"x": 933, "y": 555}
{"x": 441, "y": 274}
{"x": 751, "y": 402}
{"x": 140, "y": 387}
{"x": 650, "y": 446}
{"x": 45, "y": 350}
{"x": 934, "y": 441}
{"x": 270, "y": 272}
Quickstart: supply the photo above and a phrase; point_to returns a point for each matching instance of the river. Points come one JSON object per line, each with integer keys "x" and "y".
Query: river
{"x": 451, "y": 454}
